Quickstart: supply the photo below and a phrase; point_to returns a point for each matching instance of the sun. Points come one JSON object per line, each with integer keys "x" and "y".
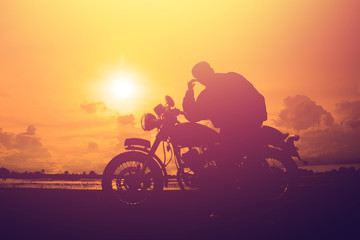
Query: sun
{"x": 121, "y": 88}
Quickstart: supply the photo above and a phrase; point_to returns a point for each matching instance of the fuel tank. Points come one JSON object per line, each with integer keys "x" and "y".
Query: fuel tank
{"x": 190, "y": 134}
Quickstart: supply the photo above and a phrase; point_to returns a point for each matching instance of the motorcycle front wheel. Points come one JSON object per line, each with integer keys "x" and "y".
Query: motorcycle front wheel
{"x": 132, "y": 178}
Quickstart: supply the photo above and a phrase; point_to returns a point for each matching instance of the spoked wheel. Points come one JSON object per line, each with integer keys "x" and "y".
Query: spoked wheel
{"x": 279, "y": 178}
{"x": 126, "y": 179}
{"x": 270, "y": 178}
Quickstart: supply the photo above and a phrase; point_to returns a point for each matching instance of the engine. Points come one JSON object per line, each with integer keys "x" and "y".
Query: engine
{"x": 193, "y": 159}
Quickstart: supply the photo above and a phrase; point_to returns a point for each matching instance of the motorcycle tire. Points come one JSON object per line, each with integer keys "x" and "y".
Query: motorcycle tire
{"x": 271, "y": 178}
{"x": 281, "y": 177}
{"x": 124, "y": 180}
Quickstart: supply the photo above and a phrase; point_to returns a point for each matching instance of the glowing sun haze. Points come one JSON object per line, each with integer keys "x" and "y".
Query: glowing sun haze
{"x": 119, "y": 90}
{"x": 82, "y": 72}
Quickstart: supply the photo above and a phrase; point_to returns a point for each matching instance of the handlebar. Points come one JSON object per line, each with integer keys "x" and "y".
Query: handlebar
{"x": 177, "y": 111}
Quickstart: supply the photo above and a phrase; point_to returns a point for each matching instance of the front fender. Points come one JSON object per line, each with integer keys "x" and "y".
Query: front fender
{"x": 281, "y": 155}
{"x": 141, "y": 153}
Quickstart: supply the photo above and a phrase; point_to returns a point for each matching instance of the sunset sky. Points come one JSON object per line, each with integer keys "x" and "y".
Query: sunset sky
{"x": 76, "y": 76}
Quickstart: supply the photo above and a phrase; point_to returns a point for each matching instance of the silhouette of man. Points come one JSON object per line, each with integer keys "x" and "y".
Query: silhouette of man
{"x": 231, "y": 103}
{"x": 234, "y": 105}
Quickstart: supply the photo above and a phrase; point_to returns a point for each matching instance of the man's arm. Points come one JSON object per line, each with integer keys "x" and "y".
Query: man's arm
{"x": 191, "y": 108}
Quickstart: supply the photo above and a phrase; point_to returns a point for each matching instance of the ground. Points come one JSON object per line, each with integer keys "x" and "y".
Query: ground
{"x": 312, "y": 212}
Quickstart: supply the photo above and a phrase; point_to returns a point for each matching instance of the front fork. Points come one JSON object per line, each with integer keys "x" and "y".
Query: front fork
{"x": 180, "y": 168}
{"x": 151, "y": 153}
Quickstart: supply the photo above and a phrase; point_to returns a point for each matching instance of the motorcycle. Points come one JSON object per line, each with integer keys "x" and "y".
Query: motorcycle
{"x": 136, "y": 174}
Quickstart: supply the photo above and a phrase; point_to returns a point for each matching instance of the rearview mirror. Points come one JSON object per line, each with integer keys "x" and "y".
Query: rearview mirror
{"x": 169, "y": 101}
{"x": 159, "y": 109}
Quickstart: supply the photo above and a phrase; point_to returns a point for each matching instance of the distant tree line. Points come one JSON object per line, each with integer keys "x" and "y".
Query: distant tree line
{"x": 341, "y": 172}
{"x": 5, "y": 173}
{"x": 342, "y": 176}
{"x": 348, "y": 174}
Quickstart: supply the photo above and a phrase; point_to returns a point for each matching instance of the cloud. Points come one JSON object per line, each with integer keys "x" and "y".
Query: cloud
{"x": 128, "y": 129}
{"x": 301, "y": 113}
{"x": 126, "y": 120}
{"x": 350, "y": 113}
{"x": 93, "y": 152}
{"x": 94, "y": 107}
{"x": 6, "y": 139}
{"x": 322, "y": 139}
{"x": 93, "y": 147}
{"x": 26, "y": 144}
{"x": 23, "y": 149}
{"x": 82, "y": 151}
{"x": 28, "y": 140}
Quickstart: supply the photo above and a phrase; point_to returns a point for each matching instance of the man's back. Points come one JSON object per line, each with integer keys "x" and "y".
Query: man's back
{"x": 228, "y": 101}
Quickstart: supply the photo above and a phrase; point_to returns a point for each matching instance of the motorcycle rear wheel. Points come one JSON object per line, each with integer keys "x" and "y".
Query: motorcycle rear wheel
{"x": 270, "y": 178}
{"x": 123, "y": 178}
{"x": 280, "y": 177}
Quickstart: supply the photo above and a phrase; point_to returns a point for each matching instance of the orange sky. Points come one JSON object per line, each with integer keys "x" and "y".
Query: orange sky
{"x": 56, "y": 59}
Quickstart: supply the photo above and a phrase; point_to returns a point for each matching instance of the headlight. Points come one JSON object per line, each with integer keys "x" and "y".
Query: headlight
{"x": 149, "y": 122}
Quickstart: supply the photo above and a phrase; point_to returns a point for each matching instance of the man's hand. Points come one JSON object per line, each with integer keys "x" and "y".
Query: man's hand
{"x": 191, "y": 84}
